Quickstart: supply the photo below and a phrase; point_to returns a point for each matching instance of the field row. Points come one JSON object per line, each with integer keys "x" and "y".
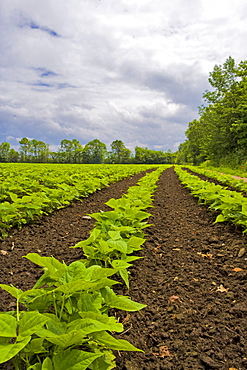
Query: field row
{"x": 224, "y": 179}
{"x": 230, "y": 205}
{"x": 30, "y": 190}
{"x": 66, "y": 323}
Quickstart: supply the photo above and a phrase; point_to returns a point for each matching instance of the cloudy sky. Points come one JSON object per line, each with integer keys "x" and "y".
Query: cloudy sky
{"x": 132, "y": 70}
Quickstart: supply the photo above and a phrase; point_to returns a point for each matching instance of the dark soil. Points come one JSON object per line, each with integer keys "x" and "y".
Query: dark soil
{"x": 196, "y": 314}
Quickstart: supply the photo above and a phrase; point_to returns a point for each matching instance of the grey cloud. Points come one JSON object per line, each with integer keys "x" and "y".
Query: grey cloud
{"x": 127, "y": 70}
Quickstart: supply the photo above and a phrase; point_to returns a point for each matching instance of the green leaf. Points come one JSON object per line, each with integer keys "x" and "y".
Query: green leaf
{"x": 8, "y": 325}
{"x": 76, "y": 286}
{"x": 120, "y": 264}
{"x": 13, "y": 197}
{"x": 92, "y": 322}
{"x": 220, "y": 218}
{"x": 90, "y": 302}
{"x": 74, "y": 359}
{"x": 105, "y": 362}
{"x": 113, "y": 203}
{"x": 56, "y": 326}
{"x": 114, "y": 235}
{"x": 52, "y": 264}
{"x": 12, "y": 290}
{"x": 37, "y": 299}
{"x": 119, "y": 245}
{"x": 96, "y": 272}
{"x": 135, "y": 243}
{"x": 30, "y": 322}
{"x": 126, "y": 304}
{"x": 35, "y": 346}
{"x": 47, "y": 364}
{"x": 37, "y": 366}
{"x": 68, "y": 339}
{"x": 77, "y": 270}
{"x": 108, "y": 341}
{"x": 125, "y": 276}
{"x": 121, "y": 302}
{"x": 8, "y": 351}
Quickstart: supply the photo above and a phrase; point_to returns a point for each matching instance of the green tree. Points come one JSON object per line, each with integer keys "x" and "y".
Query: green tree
{"x": 24, "y": 149}
{"x": 94, "y": 152}
{"x": 4, "y": 151}
{"x": 13, "y": 155}
{"x": 119, "y": 153}
{"x": 220, "y": 134}
{"x": 145, "y": 155}
{"x": 222, "y": 78}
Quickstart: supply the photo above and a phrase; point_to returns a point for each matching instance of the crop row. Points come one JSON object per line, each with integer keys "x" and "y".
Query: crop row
{"x": 66, "y": 322}
{"x": 224, "y": 179}
{"x": 230, "y": 205}
{"x": 28, "y": 190}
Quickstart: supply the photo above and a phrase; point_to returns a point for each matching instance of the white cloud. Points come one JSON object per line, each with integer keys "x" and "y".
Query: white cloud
{"x": 106, "y": 69}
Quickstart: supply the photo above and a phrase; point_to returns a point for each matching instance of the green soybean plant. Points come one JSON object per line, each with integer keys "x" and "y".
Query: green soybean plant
{"x": 119, "y": 233}
{"x": 64, "y": 323}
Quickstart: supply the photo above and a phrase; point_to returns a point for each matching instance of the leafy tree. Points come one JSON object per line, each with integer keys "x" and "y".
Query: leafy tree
{"x": 220, "y": 134}
{"x": 119, "y": 153}
{"x": 94, "y": 152}
{"x": 24, "y": 149}
{"x": 145, "y": 155}
{"x": 39, "y": 151}
{"x": 4, "y": 151}
{"x": 13, "y": 155}
{"x": 222, "y": 78}
{"x": 70, "y": 151}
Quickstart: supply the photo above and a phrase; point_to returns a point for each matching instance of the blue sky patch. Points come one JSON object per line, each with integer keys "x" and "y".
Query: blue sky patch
{"x": 34, "y": 26}
{"x": 44, "y": 72}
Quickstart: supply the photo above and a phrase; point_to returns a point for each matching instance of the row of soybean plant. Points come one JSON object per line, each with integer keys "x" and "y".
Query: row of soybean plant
{"x": 230, "y": 205}
{"x": 66, "y": 323}
{"x": 27, "y": 190}
{"x": 225, "y": 179}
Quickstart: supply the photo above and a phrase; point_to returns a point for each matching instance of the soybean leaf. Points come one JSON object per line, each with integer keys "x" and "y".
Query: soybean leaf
{"x": 36, "y": 299}
{"x": 65, "y": 340}
{"x": 35, "y": 346}
{"x": 47, "y": 364}
{"x": 12, "y": 290}
{"x": 36, "y": 366}
{"x": 54, "y": 267}
{"x": 96, "y": 272}
{"x": 8, "y": 351}
{"x": 92, "y": 322}
{"x": 30, "y": 322}
{"x": 75, "y": 286}
{"x": 105, "y": 362}
{"x": 74, "y": 359}
{"x": 110, "y": 342}
{"x": 120, "y": 264}
{"x": 125, "y": 276}
{"x": 220, "y": 218}
{"x": 121, "y": 302}
{"x": 76, "y": 270}
{"x": 90, "y": 302}
{"x": 8, "y": 325}
{"x": 119, "y": 245}
{"x": 57, "y": 327}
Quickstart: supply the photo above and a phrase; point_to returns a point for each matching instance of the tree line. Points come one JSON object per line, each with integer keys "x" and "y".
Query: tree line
{"x": 220, "y": 134}
{"x": 71, "y": 151}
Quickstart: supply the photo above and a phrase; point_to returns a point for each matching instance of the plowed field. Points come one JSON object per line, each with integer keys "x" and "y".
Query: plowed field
{"x": 193, "y": 278}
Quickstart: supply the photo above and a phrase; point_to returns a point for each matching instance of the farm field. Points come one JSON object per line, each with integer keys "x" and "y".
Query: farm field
{"x": 30, "y": 190}
{"x": 193, "y": 279}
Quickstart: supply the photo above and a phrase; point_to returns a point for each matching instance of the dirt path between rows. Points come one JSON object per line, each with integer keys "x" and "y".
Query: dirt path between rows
{"x": 196, "y": 315}
{"x": 193, "y": 279}
{"x": 235, "y": 177}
